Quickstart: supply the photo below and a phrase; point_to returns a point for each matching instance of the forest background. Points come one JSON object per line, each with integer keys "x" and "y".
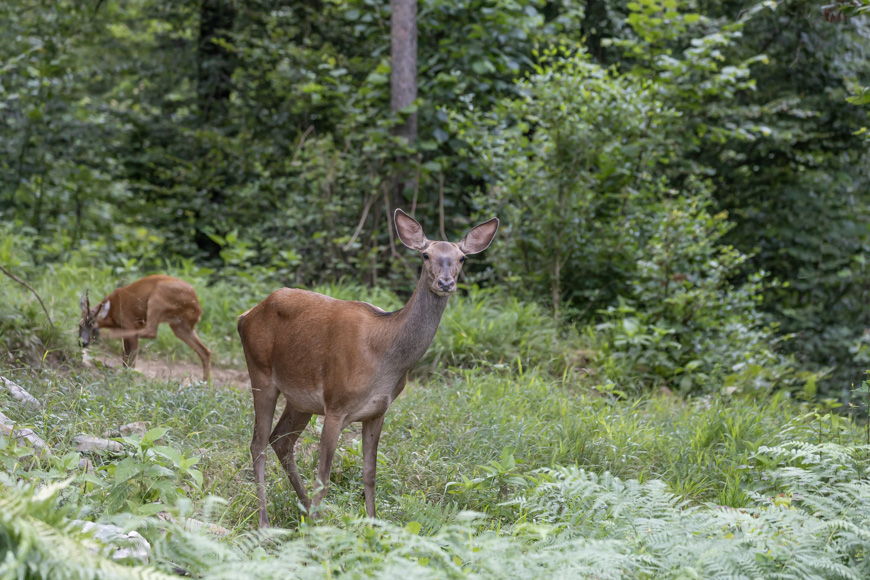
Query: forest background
{"x": 689, "y": 181}
{"x": 646, "y": 375}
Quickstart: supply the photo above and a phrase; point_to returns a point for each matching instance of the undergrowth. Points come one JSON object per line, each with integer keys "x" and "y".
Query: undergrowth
{"x": 482, "y": 473}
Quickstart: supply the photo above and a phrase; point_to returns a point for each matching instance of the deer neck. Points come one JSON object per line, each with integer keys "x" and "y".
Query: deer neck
{"x": 415, "y": 327}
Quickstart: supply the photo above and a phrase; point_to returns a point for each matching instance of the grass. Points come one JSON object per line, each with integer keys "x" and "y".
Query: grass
{"x": 441, "y": 439}
{"x": 560, "y": 475}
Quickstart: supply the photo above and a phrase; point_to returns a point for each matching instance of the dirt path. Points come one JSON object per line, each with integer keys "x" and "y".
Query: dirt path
{"x": 183, "y": 371}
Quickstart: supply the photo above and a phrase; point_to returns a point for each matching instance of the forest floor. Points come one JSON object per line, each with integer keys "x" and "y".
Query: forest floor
{"x": 560, "y": 479}
{"x": 163, "y": 369}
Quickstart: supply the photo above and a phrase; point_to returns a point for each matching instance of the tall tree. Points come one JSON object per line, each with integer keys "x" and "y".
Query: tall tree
{"x": 403, "y": 81}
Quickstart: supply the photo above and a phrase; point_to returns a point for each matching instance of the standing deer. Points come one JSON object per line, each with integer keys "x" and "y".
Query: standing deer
{"x": 133, "y": 312}
{"x": 342, "y": 359}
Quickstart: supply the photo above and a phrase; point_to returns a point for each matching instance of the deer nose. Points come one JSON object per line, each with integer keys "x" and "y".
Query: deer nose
{"x": 446, "y": 284}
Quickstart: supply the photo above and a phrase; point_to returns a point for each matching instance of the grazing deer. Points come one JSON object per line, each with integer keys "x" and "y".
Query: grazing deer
{"x": 133, "y": 312}
{"x": 345, "y": 360}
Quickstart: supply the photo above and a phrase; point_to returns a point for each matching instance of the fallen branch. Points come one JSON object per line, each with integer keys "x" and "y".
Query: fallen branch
{"x": 26, "y": 285}
{"x": 7, "y": 428}
{"x": 88, "y": 443}
{"x": 20, "y": 394}
{"x": 123, "y": 544}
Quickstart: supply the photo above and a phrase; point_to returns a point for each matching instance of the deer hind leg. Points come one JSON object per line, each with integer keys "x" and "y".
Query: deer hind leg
{"x": 332, "y": 426}
{"x": 187, "y": 334}
{"x": 265, "y": 398}
{"x": 283, "y": 439}
{"x": 131, "y": 349}
{"x": 371, "y": 434}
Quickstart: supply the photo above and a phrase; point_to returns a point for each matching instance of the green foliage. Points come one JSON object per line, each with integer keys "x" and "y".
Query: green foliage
{"x": 151, "y": 477}
{"x": 583, "y": 163}
{"x": 806, "y": 518}
{"x": 653, "y": 534}
{"x": 683, "y": 194}
{"x": 39, "y": 540}
{"x": 254, "y": 142}
{"x": 490, "y": 328}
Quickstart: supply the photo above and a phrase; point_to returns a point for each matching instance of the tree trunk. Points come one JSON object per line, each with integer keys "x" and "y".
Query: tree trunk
{"x": 215, "y": 64}
{"x": 403, "y": 86}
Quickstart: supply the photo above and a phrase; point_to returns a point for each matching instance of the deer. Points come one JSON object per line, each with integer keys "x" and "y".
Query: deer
{"x": 344, "y": 360}
{"x": 135, "y": 311}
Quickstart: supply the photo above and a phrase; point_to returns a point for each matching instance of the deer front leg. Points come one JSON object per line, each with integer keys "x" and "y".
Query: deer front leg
{"x": 371, "y": 434}
{"x": 332, "y": 426}
{"x": 131, "y": 349}
{"x": 154, "y": 314}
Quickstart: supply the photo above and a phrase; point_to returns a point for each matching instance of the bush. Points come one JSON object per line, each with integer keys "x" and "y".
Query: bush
{"x": 595, "y": 218}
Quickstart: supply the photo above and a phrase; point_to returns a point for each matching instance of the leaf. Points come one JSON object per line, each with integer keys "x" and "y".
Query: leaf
{"x": 169, "y": 453}
{"x": 154, "y": 434}
{"x": 149, "y": 509}
{"x": 482, "y": 67}
{"x": 413, "y": 528}
{"x": 127, "y": 469}
{"x": 197, "y": 476}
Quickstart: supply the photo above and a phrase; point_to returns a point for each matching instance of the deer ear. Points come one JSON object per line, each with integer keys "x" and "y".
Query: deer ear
{"x": 104, "y": 311}
{"x": 410, "y": 232}
{"x": 479, "y": 238}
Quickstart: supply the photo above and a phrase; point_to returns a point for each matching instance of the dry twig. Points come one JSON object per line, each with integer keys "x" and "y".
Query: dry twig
{"x": 26, "y": 285}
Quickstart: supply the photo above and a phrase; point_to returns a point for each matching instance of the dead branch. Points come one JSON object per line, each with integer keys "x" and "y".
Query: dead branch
{"x": 24, "y": 436}
{"x": 362, "y": 221}
{"x": 20, "y": 394}
{"x": 26, "y": 285}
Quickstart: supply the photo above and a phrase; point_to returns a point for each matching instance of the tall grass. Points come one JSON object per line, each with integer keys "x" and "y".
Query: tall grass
{"x": 457, "y": 442}
{"x": 563, "y": 482}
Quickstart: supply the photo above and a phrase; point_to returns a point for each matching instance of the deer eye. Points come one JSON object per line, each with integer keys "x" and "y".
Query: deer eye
{"x": 462, "y": 259}
{"x": 425, "y": 256}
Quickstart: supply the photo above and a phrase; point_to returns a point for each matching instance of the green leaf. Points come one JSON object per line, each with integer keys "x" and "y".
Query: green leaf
{"x": 127, "y": 469}
{"x": 413, "y": 528}
{"x": 154, "y": 434}
{"x": 197, "y": 476}
{"x": 169, "y": 453}
{"x": 482, "y": 67}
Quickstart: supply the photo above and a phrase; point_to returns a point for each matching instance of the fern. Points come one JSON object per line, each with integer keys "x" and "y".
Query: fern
{"x": 37, "y": 540}
{"x": 823, "y": 534}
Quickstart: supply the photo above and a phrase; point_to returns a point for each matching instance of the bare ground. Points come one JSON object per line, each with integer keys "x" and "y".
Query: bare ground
{"x": 186, "y": 372}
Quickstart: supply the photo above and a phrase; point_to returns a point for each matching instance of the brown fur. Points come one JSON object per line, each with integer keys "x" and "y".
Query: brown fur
{"x": 342, "y": 359}
{"x": 135, "y": 311}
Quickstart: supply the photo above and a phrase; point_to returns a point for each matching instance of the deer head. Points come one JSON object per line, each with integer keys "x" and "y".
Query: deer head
{"x": 88, "y": 329}
{"x": 442, "y": 261}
